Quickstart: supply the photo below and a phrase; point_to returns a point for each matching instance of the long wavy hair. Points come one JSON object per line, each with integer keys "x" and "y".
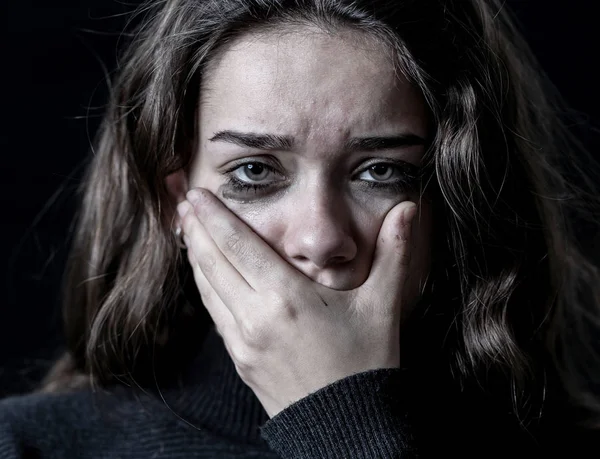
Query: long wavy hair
{"x": 512, "y": 291}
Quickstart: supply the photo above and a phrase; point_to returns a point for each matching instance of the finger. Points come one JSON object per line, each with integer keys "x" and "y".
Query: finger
{"x": 391, "y": 260}
{"x": 253, "y": 258}
{"x": 221, "y": 315}
{"x": 224, "y": 279}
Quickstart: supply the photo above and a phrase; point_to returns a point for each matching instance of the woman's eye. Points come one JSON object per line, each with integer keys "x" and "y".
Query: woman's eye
{"x": 379, "y": 172}
{"x": 382, "y": 172}
{"x": 253, "y": 176}
{"x": 252, "y": 172}
{"x": 397, "y": 177}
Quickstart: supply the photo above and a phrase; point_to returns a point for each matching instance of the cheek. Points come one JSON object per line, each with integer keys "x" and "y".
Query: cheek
{"x": 265, "y": 219}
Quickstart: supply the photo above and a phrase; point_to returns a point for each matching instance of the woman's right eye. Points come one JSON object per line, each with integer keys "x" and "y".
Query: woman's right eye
{"x": 253, "y": 176}
{"x": 253, "y": 172}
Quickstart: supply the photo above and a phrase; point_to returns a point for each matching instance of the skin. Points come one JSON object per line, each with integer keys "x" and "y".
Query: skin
{"x": 318, "y": 235}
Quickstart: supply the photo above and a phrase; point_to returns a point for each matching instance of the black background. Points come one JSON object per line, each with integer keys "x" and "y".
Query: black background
{"x": 55, "y": 59}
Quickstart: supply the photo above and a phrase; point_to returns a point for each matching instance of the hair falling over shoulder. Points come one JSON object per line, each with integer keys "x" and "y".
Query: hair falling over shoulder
{"x": 515, "y": 290}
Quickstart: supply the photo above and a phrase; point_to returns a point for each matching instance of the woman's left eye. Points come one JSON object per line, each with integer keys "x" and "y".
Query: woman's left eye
{"x": 380, "y": 172}
{"x": 397, "y": 177}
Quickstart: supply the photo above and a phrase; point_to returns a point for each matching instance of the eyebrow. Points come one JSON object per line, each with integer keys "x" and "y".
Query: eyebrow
{"x": 257, "y": 141}
{"x": 286, "y": 143}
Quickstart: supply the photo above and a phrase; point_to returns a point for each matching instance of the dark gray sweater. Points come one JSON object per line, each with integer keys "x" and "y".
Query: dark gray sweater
{"x": 212, "y": 415}
{"x": 387, "y": 413}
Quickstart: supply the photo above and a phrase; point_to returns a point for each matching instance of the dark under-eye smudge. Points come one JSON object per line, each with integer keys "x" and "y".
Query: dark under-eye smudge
{"x": 245, "y": 193}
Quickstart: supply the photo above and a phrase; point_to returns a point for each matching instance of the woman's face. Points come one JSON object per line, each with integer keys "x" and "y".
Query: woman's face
{"x": 310, "y": 139}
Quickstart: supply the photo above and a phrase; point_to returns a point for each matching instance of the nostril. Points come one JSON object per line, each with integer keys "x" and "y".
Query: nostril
{"x": 336, "y": 260}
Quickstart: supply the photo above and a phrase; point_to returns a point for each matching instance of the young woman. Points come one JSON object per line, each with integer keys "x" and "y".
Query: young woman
{"x": 323, "y": 228}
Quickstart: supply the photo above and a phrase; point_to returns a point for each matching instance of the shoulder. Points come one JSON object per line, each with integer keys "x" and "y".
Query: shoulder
{"x": 30, "y": 424}
{"x": 69, "y": 424}
{"x": 41, "y": 410}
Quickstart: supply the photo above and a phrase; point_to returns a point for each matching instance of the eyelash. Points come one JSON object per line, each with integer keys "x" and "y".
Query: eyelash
{"x": 408, "y": 182}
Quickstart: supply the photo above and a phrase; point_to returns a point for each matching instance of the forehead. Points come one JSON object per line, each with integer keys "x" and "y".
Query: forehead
{"x": 310, "y": 84}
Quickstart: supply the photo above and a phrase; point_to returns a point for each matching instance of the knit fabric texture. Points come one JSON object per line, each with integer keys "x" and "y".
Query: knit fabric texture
{"x": 211, "y": 414}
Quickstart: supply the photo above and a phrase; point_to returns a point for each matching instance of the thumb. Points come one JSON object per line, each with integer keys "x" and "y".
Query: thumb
{"x": 391, "y": 259}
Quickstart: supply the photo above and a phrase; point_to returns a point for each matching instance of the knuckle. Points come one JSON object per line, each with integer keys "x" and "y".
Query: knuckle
{"x": 405, "y": 257}
{"x": 243, "y": 359}
{"x": 253, "y": 333}
{"x": 265, "y": 265}
{"x": 277, "y": 301}
{"x": 208, "y": 264}
{"x": 273, "y": 301}
{"x": 234, "y": 243}
{"x": 281, "y": 309}
{"x": 402, "y": 249}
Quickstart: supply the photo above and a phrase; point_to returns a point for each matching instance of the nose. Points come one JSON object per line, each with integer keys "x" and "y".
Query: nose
{"x": 319, "y": 233}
